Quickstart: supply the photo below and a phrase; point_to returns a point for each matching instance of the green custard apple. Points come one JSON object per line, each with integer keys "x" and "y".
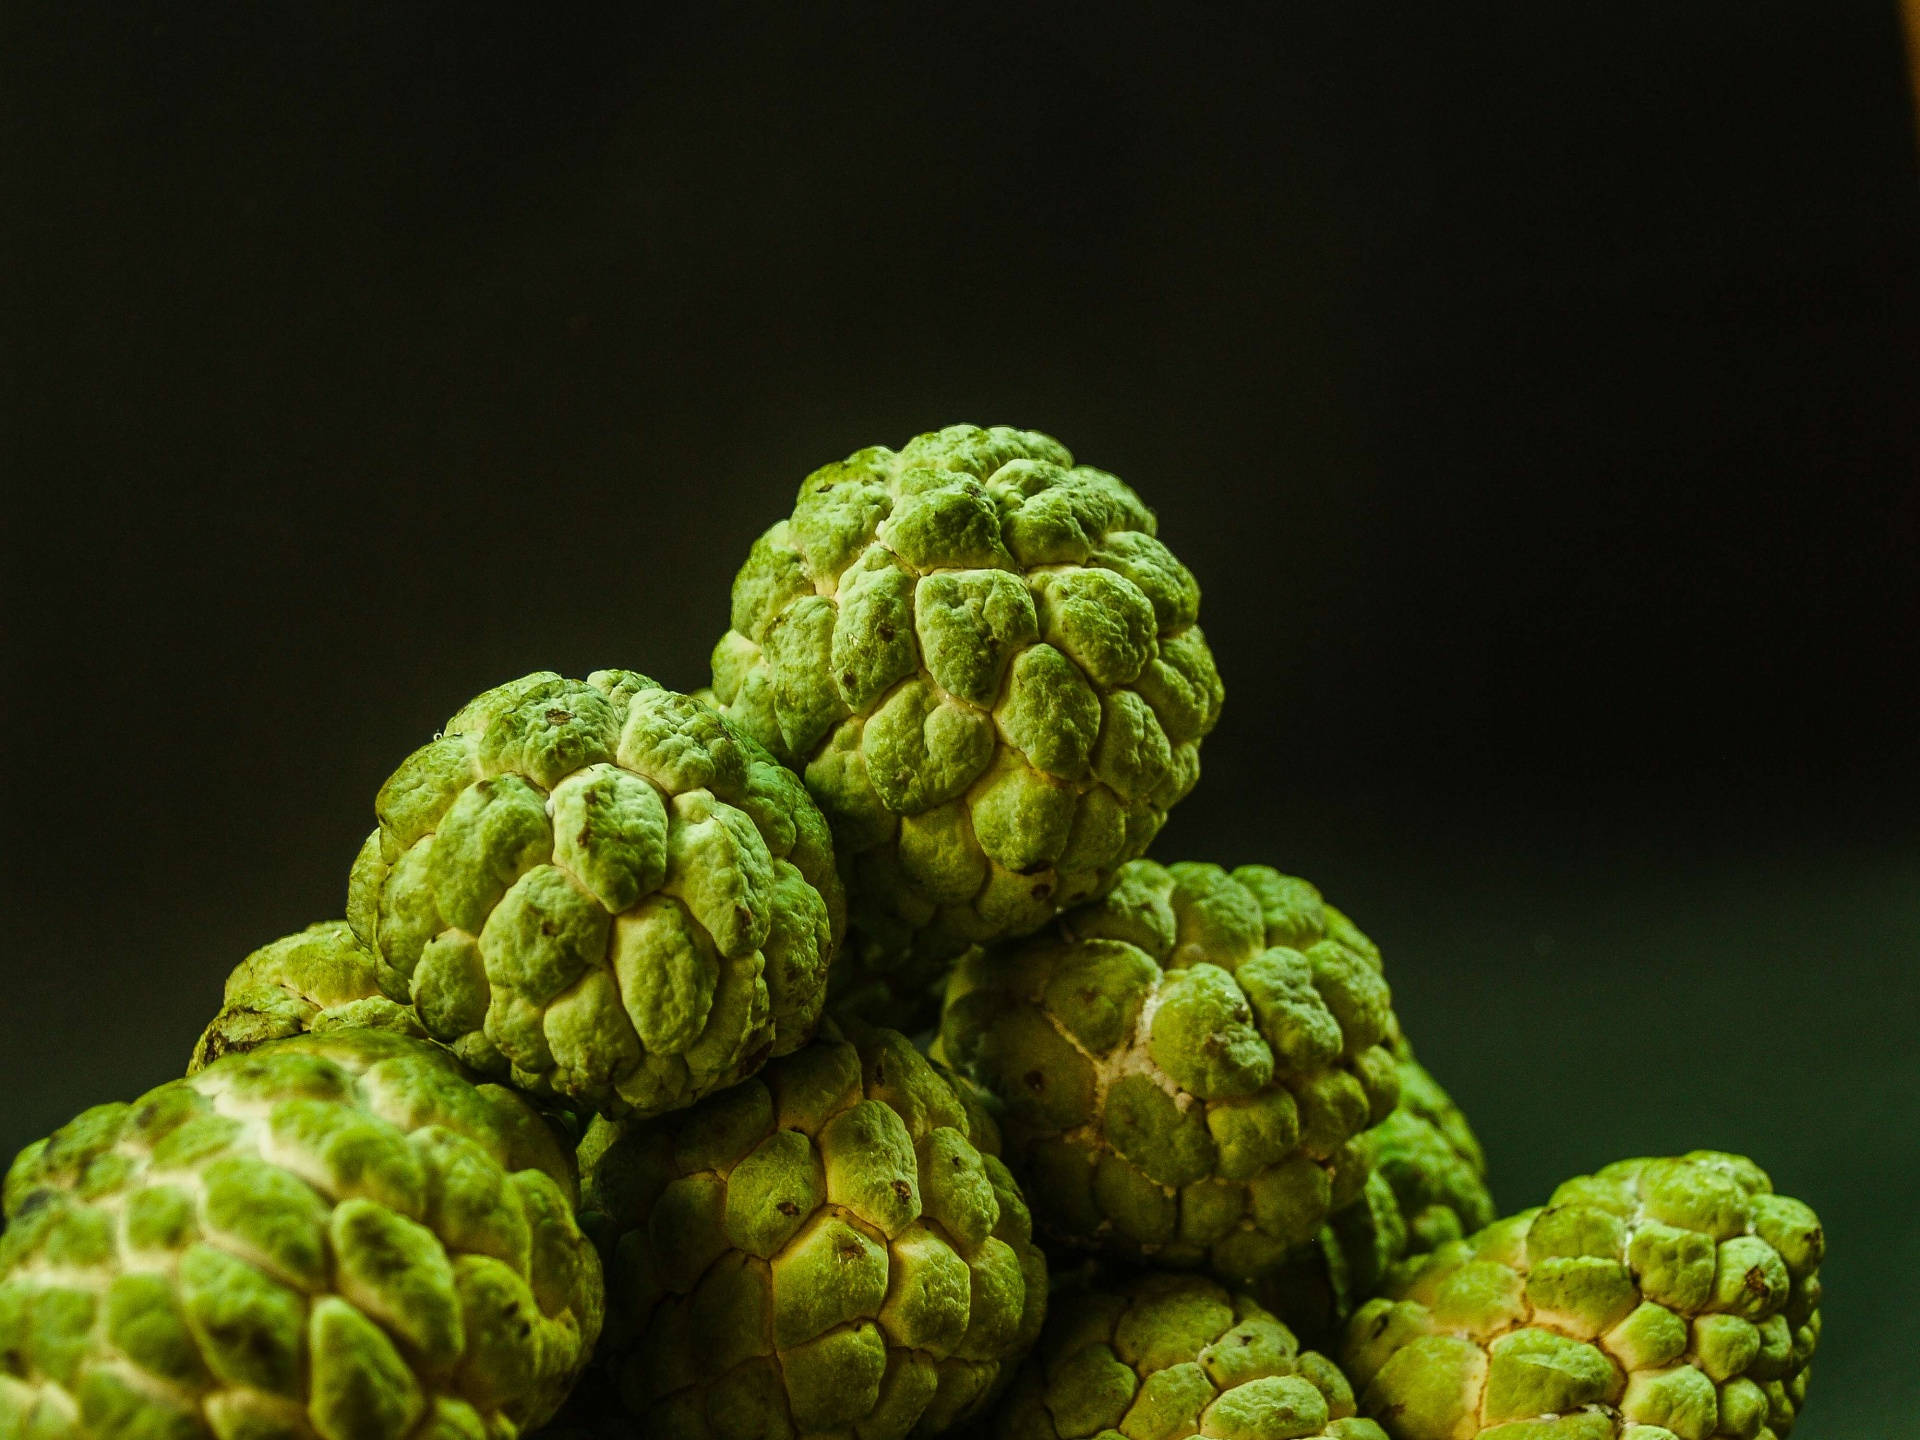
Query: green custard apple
{"x": 991, "y": 676}
{"x": 1427, "y": 1186}
{"x": 318, "y": 979}
{"x": 1187, "y": 1065}
{"x": 1670, "y": 1299}
{"x": 334, "y": 1237}
{"x": 601, "y": 891}
{"x": 832, "y": 1248}
{"x": 1164, "y": 1356}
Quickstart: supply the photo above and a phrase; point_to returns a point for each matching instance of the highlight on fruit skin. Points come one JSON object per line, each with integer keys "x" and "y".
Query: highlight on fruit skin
{"x": 334, "y": 1237}
{"x": 989, "y": 672}
{"x": 1187, "y": 1065}
{"x": 830, "y": 1248}
{"x": 602, "y": 892}
{"x": 1170, "y": 1356}
{"x": 1658, "y": 1299}
{"x": 1427, "y": 1186}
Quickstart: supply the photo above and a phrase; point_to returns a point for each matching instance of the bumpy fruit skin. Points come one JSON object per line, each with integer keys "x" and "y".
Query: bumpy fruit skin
{"x": 1427, "y": 1186}
{"x": 319, "y": 979}
{"x": 989, "y": 673}
{"x": 1672, "y": 1299}
{"x": 600, "y": 890}
{"x": 1167, "y": 1357}
{"x": 832, "y": 1248}
{"x": 337, "y": 1236}
{"x": 1187, "y": 1065}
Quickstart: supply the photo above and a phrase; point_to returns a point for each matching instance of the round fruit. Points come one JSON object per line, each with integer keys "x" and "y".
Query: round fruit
{"x": 318, "y": 979}
{"x": 1671, "y": 1299}
{"x": 1175, "y": 1357}
{"x": 989, "y": 672}
{"x": 334, "y": 1237}
{"x": 1187, "y": 1065}
{"x": 599, "y": 890}
{"x": 1427, "y": 1186}
{"x": 830, "y": 1248}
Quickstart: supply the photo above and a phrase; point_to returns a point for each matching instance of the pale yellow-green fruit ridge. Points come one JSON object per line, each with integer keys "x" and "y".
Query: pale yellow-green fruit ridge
{"x": 334, "y": 1237}
{"x": 317, "y": 979}
{"x": 1670, "y": 1299}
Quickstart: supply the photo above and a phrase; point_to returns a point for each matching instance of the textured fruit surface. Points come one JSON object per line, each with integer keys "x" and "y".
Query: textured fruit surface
{"x": 990, "y": 674}
{"x": 337, "y": 1236}
{"x": 1427, "y": 1186}
{"x": 599, "y": 890}
{"x": 1187, "y": 1065}
{"x": 832, "y": 1248}
{"x": 1167, "y": 1357}
{"x": 318, "y": 979}
{"x": 1671, "y": 1299}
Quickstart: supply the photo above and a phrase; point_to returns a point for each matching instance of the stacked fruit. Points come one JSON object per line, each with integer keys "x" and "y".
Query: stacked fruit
{"x": 731, "y": 1066}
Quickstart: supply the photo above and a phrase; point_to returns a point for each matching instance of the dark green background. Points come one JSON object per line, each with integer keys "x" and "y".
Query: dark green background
{"x": 1533, "y": 391}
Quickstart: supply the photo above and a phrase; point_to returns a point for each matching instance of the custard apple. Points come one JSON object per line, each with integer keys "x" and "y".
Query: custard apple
{"x": 1428, "y": 1186}
{"x": 1672, "y": 1299}
{"x": 317, "y": 979}
{"x": 1187, "y": 1065}
{"x": 989, "y": 672}
{"x": 1164, "y": 1356}
{"x": 832, "y": 1248}
{"x": 599, "y": 890}
{"x": 337, "y": 1236}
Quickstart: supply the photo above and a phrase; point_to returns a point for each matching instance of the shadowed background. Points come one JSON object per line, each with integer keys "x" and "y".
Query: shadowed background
{"x": 1533, "y": 395}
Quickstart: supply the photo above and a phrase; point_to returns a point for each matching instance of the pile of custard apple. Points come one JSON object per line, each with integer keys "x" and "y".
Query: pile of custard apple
{"x": 820, "y": 1056}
